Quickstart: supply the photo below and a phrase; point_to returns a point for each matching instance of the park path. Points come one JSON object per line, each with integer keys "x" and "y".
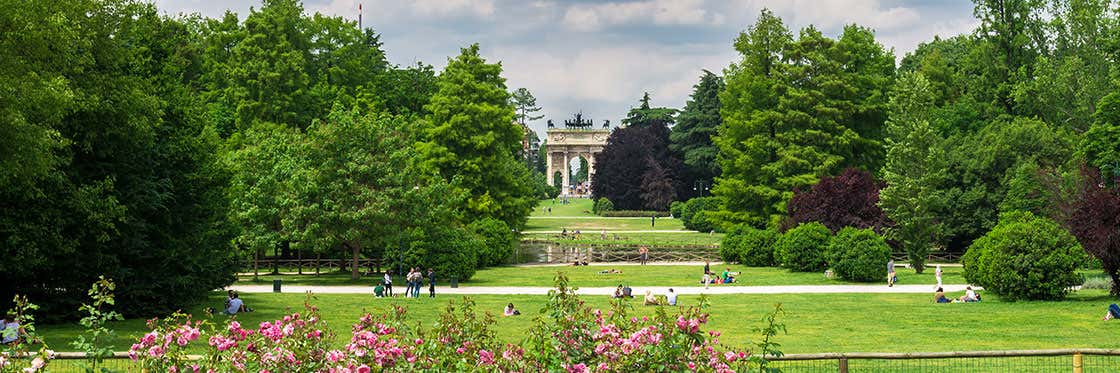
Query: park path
{"x": 638, "y": 290}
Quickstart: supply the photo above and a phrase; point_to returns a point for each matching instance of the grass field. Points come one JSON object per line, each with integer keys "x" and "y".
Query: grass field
{"x": 594, "y": 224}
{"x": 651, "y": 275}
{"x": 574, "y": 207}
{"x": 815, "y": 322}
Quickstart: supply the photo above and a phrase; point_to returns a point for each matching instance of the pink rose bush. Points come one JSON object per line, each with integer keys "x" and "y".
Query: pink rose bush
{"x": 569, "y": 337}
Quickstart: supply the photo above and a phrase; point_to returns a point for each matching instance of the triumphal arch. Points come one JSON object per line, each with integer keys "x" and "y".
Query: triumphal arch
{"x": 578, "y": 138}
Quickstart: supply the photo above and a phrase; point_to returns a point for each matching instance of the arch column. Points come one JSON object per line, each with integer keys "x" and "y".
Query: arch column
{"x": 590, "y": 170}
{"x": 567, "y": 173}
{"x": 549, "y": 178}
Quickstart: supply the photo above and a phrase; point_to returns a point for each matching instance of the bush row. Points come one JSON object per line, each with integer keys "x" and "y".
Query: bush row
{"x": 853, "y": 254}
{"x": 694, "y": 213}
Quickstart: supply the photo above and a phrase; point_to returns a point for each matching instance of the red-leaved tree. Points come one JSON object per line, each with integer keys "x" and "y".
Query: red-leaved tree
{"x": 1095, "y": 221}
{"x": 850, "y": 199}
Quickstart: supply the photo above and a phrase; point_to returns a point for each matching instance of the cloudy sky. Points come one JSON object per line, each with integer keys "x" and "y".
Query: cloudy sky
{"x": 599, "y": 56}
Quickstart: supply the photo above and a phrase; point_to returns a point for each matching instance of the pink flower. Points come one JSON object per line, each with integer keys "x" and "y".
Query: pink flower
{"x": 578, "y": 368}
{"x": 485, "y": 357}
{"x": 419, "y": 341}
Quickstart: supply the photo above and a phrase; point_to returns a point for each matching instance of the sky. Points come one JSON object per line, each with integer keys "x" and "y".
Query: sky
{"x": 598, "y": 57}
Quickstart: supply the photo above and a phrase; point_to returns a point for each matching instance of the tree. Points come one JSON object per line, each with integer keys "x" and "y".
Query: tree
{"x": 789, "y": 121}
{"x": 525, "y": 105}
{"x": 358, "y": 185}
{"x": 691, "y": 138}
{"x": 1095, "y": 221}
{"x": 1098, "y": 146}
{"x": 472, "y": 139}
{"x": 850, "y": 199}
{"x": 1011, "y": 38}
{"x": 1025, "y": 258}
{"x": 646, "y": 116}
{"x": 118, "y": 170}
{"x": 914, "y": 169}
{"x": 635, "y": 170}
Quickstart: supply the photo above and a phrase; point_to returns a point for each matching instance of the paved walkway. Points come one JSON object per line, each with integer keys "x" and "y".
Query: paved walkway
{"x": 638, "y": 290}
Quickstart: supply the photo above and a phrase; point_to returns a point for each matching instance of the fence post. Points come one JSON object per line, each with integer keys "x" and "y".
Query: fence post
{"x": 1077, "y": 362}
{"x": 843, "y": 365}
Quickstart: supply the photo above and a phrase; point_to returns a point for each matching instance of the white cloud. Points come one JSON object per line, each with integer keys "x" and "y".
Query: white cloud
{"x": 592, "y": 17}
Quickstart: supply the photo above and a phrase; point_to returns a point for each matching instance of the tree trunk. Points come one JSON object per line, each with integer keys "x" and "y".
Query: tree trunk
{"x": 256, "y": 264}
{"x": 318, "y": 257}
{"x": 299, "y": 261}
{"x": 356, "y": 250}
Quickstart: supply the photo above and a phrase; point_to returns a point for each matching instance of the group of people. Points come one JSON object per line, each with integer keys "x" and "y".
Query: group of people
{"x": 414, "y": 280}
{"x": 969, "y": 296}
{"x": 624, "y": 291}
{"x": 727, "y": 277}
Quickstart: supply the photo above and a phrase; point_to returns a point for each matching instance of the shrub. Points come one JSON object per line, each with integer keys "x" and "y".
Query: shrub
{"x": 497, "y": 241}
{"x": 451, "y": 251}
{"x": 1025, "y": 257}
{"x": 676, "y": 208}
{"x": 694, "y": 206}
{"x": 802, "y": 248}
{"x": 602, "y": 205}
{"x": 756, "y": 248}
{"x": 729, "y": 247}
{"x": 858, "y": 255}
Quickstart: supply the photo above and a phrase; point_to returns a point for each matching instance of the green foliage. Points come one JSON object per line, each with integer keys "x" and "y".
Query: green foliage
{"x": 797, "y": 110}
{"x": 473, "y": 139}
{"x": 1025, "y": 258}
{"x": 677, "y": 208}
{"x": 498, "y": 241}
{"x": 602, "y": 205}
{"x": 22, "y": 312}
{"x": 858, "y": 255}
{"x": 803, "y": 247}
{"x": 749, "y": 246}
{"x": 1099, "y": 145}
{"x": 694, "y": 213}
{"x": 691, "y": 138}
{"x": 94, "y": 342}
{"x": 767, "y": 347}
{"x": 914, "y": 169}
{"x": 451, "y": 251}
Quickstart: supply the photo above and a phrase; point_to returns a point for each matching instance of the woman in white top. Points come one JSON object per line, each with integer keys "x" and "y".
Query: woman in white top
{"x": 388, "y": 281}
{"x": 937, "y": 274}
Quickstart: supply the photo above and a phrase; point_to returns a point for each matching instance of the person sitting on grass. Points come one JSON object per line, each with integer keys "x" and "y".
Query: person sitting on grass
{"x": 510, "y": 311}
{"x": 650, "y": 299}
{"x": 618, "y": 292}
{"x": 727, "y": 276}
{"x": 939, "y": 296}
{"x": 627, "y": 292}
{"x": 379, "y": 290}
{"x": 10, "y": 331}
{"x": 1113, "y": 312}
{"x": 969, "y": 295}
{"x": 612, "y": 270}
{"x": 671, "y": 298}
{"x": 235, "y": 305}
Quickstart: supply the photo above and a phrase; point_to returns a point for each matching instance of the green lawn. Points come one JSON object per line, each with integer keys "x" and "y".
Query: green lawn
{"x": 650, "y": 275}
{"x": 595, "y": 225}
{"x": 644, "y": 238}
{"x": 815, "y": 322}
{"x": 575, "y": 207}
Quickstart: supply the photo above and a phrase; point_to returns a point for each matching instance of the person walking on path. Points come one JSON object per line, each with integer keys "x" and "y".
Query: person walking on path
{"x": 890, "y": 273}
{"x": 937, "y": 274}
{"x": 431, "y": 283}
{"x": 388, "y": 282}
{"x": 652, "y": 221}
{"x": 643, "y": 254}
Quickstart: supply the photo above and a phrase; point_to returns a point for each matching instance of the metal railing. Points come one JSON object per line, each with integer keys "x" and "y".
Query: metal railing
{"x": 1063, "y": 360}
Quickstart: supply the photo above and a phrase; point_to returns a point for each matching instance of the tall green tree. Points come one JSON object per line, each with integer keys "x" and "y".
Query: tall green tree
{"x": 473, "y": 139}
{"x": 1011, "y": 37}
{"x": 360, "y": 185}
{"x": 691, "y": 137}
{"x": 525, "y": 105}
{"x": 645, "y": 115}
{"x": 820, "y": 109}
{"x": 914, "y": 168}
